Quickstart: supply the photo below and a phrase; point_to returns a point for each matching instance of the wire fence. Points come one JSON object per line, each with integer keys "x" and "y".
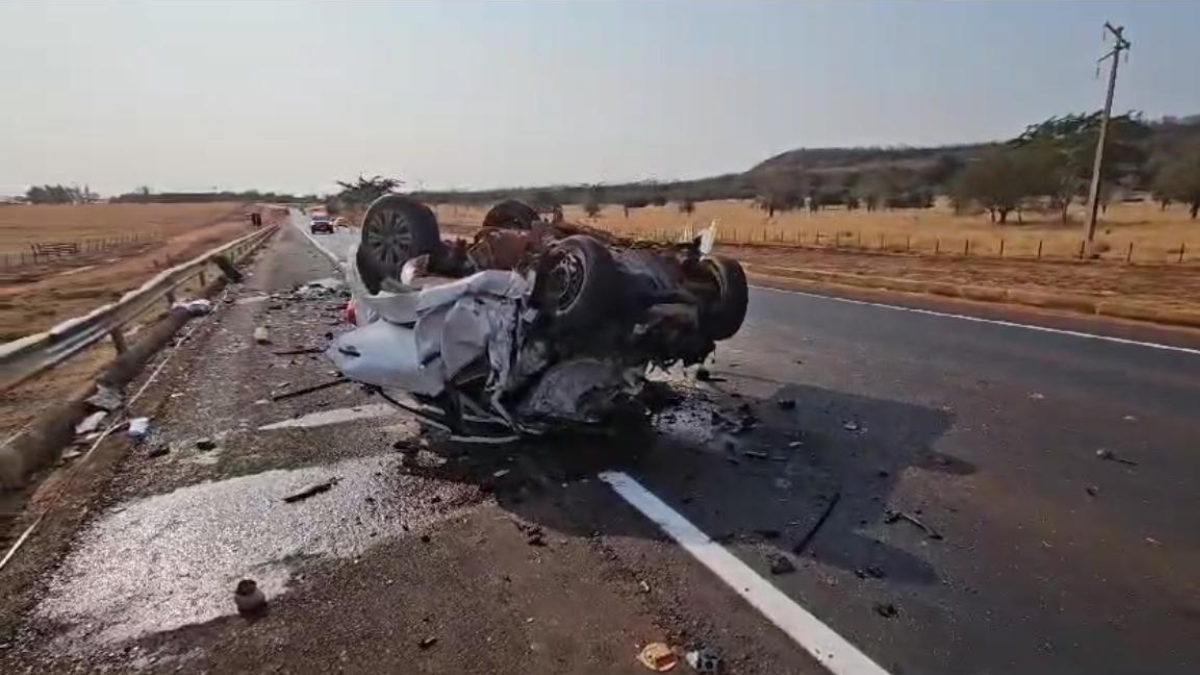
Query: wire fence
{"x": 43, "y": 252}
{"x": 997, "y": 247}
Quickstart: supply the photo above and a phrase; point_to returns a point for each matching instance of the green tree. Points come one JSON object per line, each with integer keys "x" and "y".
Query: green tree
{"x": 1179, "y": 180}
{"x": 1065, "y": 149}
{"x": 366, "y": 190}
{"x": 1000, "y": 180}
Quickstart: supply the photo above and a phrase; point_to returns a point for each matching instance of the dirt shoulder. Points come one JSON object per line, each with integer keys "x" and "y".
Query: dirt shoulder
{"x": 1174, "y": 287}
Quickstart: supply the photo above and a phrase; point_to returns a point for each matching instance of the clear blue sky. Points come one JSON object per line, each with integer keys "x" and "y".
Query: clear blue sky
{"x": 291, "y": 96}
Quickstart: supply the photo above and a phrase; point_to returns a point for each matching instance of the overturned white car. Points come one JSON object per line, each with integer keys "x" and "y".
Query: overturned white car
{"x": 532, "y": 325}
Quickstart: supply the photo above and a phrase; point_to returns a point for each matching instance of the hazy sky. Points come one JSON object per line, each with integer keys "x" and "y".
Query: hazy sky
{"x": 291, "y": 96}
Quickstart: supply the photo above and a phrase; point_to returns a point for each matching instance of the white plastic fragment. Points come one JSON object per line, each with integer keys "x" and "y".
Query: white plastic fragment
{"x": 139, "y": 426}
{"x": 91, "y": 422}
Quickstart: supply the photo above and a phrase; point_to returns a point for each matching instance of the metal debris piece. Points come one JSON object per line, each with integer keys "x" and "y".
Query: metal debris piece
{"x": 704, "y": 661}
{"x": 891, "y": 516}
{"x": 428, "y": 642}
{"x": 658, "y": 657}
{"x": 105, "y": 398}
{"x": 886, "y": 609}
{"x": 1092, "y": 490}
{"x": 249, "y": 598}
{"x": 262, "y": 336}
{"x": 309, "y": 390}
{"x": 311, "y": 490}
{"x": 781, "y": 564}
{"x": 90, "y": 423}
{"x": 870, "y": 571}
{"x": 139, "y": 427}
{"x": 198, "y": 307}
{"x": 1037, "y": 396}
{"x": 1111, "y": 456}
{"x": 851, "y": 426}
{"x": 812, "y": 533}
{"x": 299, "y": 350}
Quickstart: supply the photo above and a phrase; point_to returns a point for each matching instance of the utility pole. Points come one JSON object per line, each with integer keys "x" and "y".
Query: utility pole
{"x": 1098, "y": 167}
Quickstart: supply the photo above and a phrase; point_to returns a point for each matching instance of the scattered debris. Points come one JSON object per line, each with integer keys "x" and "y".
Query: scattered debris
{"x": 1111, "y": 456}
{"x": 426, "y": 643}
{"x": 886, "y": 609}
{"x": 796, "y": 444}
{"x": 644, "y": 586}
{"x": 90, "y": 423}
{"x": 812, "y": 533}
{"x": 139, "y": 427}
{"x": 299, "y": 350}
{"x": 1153, "y": 542}
{"x": 262, "y": 336}
{"x": 198, "y": 307}
{"x": 309, "y": 390}
{"x": 871, "y": 571}
{"x": 70, "y": 454}
{"x": 105, "y": 398}
{"x": 534, "y": 536}
{"x": 1092, "y": 490}
{"x": 1130, "y": 418}
{"x": 249, "y": 598}
{"x": 891, "y": 516}
{"x": 781, "y": 564}
{"x": 206, "y": 444}
{"x": 658, "y": 657}
{"x": 1037, "y": 396}
{"x": 311, "y": 490}
{"x": 501, "y": 473}
{"x": 756, "y": 454}
{"x": 786, "y": 403}
{"x": 851, "y": 426}
{"x": 704, "y": 660}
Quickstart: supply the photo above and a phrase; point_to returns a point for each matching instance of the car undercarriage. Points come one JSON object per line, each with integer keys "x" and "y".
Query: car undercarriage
{"x": 529, "y": 326}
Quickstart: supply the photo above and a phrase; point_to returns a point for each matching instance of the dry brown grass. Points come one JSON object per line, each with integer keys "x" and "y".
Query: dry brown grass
{"x": 33, "y": 298}
{"x": 1156, "y": 235}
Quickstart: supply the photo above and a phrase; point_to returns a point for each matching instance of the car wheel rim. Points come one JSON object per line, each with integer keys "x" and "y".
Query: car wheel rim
{"x": 389, "y": 237}
{"x": 565, "y": 281}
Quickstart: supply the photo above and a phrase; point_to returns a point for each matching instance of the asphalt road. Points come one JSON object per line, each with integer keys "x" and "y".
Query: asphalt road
{"x": 1056, "y": 476}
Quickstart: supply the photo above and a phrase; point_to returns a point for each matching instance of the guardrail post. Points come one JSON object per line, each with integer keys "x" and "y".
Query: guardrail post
{"x": 118, "y": 339}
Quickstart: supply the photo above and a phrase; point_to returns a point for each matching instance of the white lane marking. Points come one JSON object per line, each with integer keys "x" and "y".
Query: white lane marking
{"x": 827, "y": 647}
{"x": 337, "y": 416}
{"x": 297, "y": 221}
{"x": 998, "y": 322}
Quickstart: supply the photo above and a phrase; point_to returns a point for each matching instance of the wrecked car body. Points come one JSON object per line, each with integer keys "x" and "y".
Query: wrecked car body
{"x": 532, "y": 325}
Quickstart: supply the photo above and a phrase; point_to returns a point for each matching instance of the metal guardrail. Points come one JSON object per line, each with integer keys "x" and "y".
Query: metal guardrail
{"x": 30, "y": 355}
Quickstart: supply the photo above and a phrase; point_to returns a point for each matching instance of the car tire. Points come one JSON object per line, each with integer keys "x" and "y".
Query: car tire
{"x": 512, "y": 215}
{"x": 576, "y": 284}
{"x": 723, "y": 316}
{"x": 395, "y": 228}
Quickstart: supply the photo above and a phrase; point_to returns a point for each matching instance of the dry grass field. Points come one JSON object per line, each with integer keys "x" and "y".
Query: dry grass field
{"x": 1156, "y": 235}
{"x": 830, "y": 240}
{"x": 35, "y": 297}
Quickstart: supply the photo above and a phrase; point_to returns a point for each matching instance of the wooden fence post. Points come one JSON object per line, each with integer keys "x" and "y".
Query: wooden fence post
{"x": 907, "y": 243}
{"x": 1082, "y": 245}
{"x": 817, "y": 239}
{"x": 1182, "y": 248}
{"x": 1001, "y": 247}
{"x": 1039, "y": 255}
{"x": 1129, "y": 253}
{"x": 966, "y": 248}
{"x": 937, "y": 245}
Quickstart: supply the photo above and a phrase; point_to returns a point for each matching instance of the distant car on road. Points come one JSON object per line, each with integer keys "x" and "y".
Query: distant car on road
{"x": 321, "y": 224}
